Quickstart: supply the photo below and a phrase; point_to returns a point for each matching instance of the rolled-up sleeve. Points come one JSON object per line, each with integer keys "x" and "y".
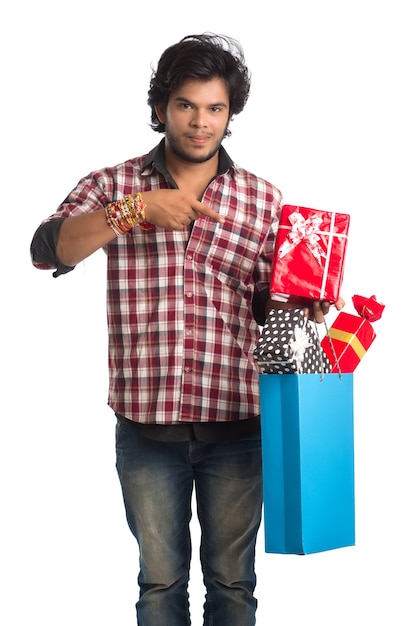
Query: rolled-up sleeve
{"x": 92, "y": 193}
{"x": 43, "y": 248}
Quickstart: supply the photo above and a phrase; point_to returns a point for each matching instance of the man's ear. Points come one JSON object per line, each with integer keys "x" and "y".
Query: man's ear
{"x": 160, "y": 112}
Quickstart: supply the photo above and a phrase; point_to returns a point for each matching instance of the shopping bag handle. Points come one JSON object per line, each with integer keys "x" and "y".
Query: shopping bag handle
{"x": 334, "y": 354}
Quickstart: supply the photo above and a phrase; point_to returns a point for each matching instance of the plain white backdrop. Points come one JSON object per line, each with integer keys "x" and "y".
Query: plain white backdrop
{"x": 332, "y": 121}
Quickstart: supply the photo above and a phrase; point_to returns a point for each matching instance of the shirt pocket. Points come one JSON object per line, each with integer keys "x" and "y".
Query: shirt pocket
{"x": 233, "y": 252}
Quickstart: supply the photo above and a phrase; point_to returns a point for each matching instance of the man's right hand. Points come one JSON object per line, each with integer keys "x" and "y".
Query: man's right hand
{"x": 174, "y": 209}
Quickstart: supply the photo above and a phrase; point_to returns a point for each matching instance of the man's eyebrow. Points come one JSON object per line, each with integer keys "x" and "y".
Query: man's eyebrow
{"x": 185, "y": 100}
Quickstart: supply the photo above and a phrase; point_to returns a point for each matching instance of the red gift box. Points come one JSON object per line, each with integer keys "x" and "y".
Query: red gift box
{"x": 309, "y": 253}
{"x": 350, "y": 336}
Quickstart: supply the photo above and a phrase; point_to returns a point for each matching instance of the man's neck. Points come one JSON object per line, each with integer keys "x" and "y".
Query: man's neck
{"x": 193, "y": 177}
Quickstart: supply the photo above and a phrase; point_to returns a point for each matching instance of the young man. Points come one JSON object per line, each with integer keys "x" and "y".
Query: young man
{"x": 189, "y": 238}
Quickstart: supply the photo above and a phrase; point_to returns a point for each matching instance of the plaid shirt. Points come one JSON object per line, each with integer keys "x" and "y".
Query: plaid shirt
{"x": 181, "y": 328}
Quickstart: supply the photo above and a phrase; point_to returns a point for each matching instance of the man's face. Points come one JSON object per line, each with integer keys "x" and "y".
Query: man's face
{"x": 196, "y": 119}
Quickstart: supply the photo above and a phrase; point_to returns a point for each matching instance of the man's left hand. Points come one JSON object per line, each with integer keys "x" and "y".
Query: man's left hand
{"x": 313, "y": 309}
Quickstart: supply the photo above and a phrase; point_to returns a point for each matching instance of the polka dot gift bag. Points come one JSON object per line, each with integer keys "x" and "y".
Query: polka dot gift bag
{"x": 290, "y": 345}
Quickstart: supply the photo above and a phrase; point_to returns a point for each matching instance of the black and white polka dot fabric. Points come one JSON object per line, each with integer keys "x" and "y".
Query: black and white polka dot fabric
{"x": 289, "y": 345}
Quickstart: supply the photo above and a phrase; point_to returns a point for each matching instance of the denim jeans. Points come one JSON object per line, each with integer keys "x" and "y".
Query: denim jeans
{"x": 157, "y": 481}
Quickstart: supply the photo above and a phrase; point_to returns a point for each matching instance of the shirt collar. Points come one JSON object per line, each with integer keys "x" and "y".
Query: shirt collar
{"x": 156, "y": 158}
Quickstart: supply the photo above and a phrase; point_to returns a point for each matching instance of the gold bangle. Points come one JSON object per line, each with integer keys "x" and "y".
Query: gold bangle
{"x": 123, "y": 215}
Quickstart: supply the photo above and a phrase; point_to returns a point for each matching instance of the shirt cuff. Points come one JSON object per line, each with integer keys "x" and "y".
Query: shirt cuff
{"x": 44, "y": 245}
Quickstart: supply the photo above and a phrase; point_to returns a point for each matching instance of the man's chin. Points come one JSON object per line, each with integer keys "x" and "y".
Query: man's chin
{"x": 200, "y": 154}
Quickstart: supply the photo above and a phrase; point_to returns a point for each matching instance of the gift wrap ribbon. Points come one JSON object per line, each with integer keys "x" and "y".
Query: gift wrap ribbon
{"x": 348, "y": 338}
{"x": 298, "y": 345}
{"x": 303, "y": 231}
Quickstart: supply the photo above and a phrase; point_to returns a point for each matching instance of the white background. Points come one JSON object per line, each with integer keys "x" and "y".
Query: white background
{"x": 332, "y": 121}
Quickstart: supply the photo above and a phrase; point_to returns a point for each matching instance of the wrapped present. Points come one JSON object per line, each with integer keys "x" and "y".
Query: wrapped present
{"x": 289, "y": 345}
{"x": 309, "y": 253}
{"x": 350, "y": 336}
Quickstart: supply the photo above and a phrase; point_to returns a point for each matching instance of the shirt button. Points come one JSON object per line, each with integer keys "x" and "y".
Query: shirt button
{"x": 189, "y": 257}
{"x": 189, "y": 332}
{"x": 187, "y": 369}
{"x": 189, "y": 294}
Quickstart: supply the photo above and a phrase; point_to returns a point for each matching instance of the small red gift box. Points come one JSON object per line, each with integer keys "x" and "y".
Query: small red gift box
{"x": 350, "y": 336}
{"x": 309, "y": 253}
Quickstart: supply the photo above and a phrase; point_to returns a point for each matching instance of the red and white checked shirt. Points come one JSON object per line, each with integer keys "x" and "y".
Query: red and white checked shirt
{"x": 181, "y": 328}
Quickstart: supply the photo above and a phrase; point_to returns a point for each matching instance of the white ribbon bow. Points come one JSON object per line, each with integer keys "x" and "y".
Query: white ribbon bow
{"x": 303, "y": 230}
{"x": 298, "y": 345}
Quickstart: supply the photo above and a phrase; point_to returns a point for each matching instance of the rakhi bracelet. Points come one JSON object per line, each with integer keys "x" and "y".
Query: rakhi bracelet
{"x": 122, "y": 215}
{"x": 140, "y": 207}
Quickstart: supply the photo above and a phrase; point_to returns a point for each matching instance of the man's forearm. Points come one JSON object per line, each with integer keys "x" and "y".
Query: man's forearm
{"x": 81, "y": 235}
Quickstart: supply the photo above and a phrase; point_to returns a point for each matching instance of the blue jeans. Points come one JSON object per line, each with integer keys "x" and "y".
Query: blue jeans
{"x": 157, "y": 481}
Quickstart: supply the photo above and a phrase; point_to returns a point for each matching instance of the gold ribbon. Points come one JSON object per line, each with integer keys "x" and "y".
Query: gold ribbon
{"x": 349, "y": 338}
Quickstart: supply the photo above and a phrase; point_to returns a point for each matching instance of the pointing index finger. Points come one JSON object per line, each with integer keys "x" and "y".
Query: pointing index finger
{"x": 206, "y": 210}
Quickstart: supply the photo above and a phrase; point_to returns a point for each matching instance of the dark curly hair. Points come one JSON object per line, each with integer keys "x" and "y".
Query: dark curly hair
{"x": 200, "y": 57}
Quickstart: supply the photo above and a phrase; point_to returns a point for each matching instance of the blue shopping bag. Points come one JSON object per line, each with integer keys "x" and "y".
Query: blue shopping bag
{"x": 308, "y": 462}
